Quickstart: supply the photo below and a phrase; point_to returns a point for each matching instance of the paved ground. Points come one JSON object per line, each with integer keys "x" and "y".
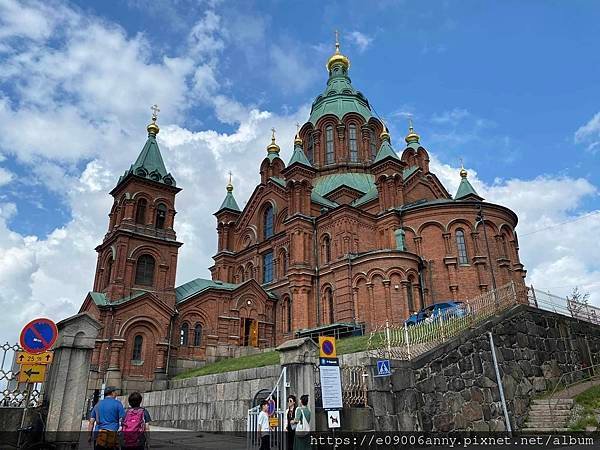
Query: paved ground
{"x": 170, "y": 438}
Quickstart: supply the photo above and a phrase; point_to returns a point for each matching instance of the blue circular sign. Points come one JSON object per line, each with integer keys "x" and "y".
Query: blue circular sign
{"x": 271, "y": 408}
{"x": 328, "y": 347}
{"x": 38, "y": 335}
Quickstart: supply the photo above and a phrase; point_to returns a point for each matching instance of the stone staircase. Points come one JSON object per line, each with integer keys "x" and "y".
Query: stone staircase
{"x": 550, "y": 414}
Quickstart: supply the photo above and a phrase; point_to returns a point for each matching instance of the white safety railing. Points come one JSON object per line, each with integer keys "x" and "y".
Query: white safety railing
{"x": 565, "y": 306}
{"x": 406, "y": 341}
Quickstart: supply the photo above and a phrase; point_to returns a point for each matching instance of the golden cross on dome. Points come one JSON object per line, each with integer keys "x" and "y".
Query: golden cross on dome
{"x": 410, "y": 123}
{"x": 297, "y": 128}
{"x": 462, "y": 166}
{"x": 230, "y": 174}
{"x": 273, "y": 134}
{"x": 337, "y": 41}
{"x": 155, "y": 111}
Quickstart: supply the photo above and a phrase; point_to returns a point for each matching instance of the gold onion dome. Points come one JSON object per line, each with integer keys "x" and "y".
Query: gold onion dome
{"x": 411, "y": 137}
{"x": 297, "y": 140}
{"x": 463, "y": 173}
{"x": 153, "y": 127}
{"x": 385, "y": 134}
{"x": 337, "y": 57}
{"x": 273, "y": 147}
{"x": 229, "y": 186}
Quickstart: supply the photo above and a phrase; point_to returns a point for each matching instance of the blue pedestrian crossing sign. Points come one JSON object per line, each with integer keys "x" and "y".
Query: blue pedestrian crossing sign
{"x": 383, "y": 368}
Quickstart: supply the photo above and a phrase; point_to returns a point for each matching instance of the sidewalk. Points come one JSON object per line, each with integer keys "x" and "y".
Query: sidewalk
{"x": 167, "y": 438}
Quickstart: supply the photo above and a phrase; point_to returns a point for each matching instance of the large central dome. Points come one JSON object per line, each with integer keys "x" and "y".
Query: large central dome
{"x": 340, "y": 97}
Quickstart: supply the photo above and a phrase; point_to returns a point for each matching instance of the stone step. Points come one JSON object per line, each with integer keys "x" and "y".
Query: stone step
{"x": 541, "y": 430}
{"x": 561, "y": 406}
{"x": 558, "y": 414}
{"x": 552, "y": 401}
{"x": 545, "y": 424}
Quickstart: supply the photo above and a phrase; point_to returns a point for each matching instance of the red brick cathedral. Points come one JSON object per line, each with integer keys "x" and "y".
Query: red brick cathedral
{"x": 351, "y": 232}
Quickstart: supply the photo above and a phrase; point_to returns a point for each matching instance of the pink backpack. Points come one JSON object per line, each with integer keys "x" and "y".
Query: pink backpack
{"x": 133, "y": 427}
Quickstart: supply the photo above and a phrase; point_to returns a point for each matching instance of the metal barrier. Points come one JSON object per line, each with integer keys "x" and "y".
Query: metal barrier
{"x": 405, "y": 342}
{"x": 565, "y": 306}
{"x": 277, "y": 432}
{"x": 354, "y": 386}
{"x": 12, "y": 393}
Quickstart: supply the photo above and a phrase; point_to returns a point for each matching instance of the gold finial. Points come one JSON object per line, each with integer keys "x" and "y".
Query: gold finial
{"x": 337, "y": 57}
{"x": 385, "y": 134}
{"x": 411, "y": 137}
{"x": 463, "y": 172}
{"x": 153, "y": 127}
{"x": 297, "y": 140}
{"x": 229, "y": 185}
{"x": 273, "y": 147}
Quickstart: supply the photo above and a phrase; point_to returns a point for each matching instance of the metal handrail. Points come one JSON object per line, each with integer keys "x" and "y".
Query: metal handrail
{"x": 567, "y": 386}
{"x": 592, "y": 367}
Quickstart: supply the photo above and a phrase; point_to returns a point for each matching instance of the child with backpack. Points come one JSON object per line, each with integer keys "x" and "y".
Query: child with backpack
{"x": 135, "y": 424}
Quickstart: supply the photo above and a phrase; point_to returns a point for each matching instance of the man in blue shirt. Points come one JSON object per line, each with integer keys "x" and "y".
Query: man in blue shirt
{"x": 106, "y": 416}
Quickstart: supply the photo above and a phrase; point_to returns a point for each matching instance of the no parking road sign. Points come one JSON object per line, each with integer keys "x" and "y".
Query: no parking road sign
{"x": 38, "y": 335}
{"x": 327, "y": 347}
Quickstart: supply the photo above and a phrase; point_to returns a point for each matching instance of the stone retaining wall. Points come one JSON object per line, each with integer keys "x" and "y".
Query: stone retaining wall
{"x": 454, "y": 387}
{"x": 218, "y": 402}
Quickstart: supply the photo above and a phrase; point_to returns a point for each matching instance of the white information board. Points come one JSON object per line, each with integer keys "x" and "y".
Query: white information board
{"x": 331, "y": 387}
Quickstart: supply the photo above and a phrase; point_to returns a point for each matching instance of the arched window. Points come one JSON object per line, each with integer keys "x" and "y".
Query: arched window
{"x": 326, "y": 250}
{"x": 197, "y": 335}
{"x": 310, "y": 148}
{"x": 109, "y": 266}
{"x": 372, "y": 143}
{"x": 352, "y": 145}
{"x": 268, "y": 222}
{"x": 504, "y": 246}
{"x": 268, "y": 267}
{"x": 462, "y": 248}
{"x": 144, "y": 270}
{"x": 329, "y": 145}
{"x": 284, "y": 263}
{"x": 140, "y": 211}
{"x": 330, "y": 305}
{"x": 409, "y": 293}
{"x": 183, "y": 334}
{"x": 138, "y": 342}
{"x": 161, "y": 216}
{"x": 289, "y": 315}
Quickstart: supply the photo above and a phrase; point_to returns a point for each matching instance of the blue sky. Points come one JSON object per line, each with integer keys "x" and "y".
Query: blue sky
{"x": 510, "y": 87}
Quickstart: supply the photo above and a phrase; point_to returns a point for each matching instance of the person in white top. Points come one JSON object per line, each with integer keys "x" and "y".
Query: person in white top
{"x": 263, "y": 426}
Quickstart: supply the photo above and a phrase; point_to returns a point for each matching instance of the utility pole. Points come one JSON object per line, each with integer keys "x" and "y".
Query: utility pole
{"x": 481, "y": 220}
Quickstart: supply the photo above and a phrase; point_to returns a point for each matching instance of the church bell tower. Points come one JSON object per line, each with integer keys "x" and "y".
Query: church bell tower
{"x": 139, "y": 251}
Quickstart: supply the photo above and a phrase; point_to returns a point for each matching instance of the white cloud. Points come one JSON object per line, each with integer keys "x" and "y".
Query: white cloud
{"x": 452, "y": 117}
{"x": 6, "y": 176}
{"x": 361, "y": 40}
{"x": 589, "y": 134}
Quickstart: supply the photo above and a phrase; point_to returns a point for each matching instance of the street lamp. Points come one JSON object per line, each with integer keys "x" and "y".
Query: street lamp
{"x": 481, "y": 220}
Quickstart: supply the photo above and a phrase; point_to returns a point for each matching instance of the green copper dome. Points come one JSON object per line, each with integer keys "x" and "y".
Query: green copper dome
{"x": 340, "y": 97}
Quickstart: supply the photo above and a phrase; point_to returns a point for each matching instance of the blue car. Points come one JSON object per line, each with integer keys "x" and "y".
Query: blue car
{"x": 447, "y": 309}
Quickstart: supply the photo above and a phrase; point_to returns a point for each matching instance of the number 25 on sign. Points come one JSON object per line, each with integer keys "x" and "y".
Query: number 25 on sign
{"x": 34, "y": 358}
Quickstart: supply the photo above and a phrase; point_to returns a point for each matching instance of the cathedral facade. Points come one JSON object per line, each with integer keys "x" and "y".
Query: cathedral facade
{"x": 350, "y": 233}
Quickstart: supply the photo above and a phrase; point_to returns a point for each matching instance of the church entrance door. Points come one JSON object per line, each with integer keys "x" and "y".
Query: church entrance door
{"x": 249, "y": 332}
